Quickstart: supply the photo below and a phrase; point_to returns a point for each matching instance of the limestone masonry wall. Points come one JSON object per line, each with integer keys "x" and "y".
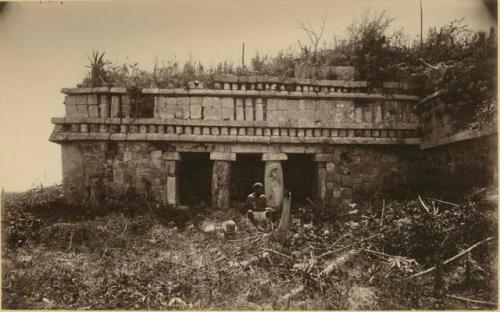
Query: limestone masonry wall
{"x": 361, "y": 143}
{"x": 99, "y": 171}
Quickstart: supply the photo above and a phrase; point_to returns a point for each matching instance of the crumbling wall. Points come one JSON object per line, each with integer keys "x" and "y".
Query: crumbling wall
{"x": 457, "y": 155}
{"x": 456, "y": 169}
{"x": 361, "y": 172}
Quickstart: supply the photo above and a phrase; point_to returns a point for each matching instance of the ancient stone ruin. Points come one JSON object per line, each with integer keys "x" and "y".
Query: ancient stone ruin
{"x": 328, "y": 140}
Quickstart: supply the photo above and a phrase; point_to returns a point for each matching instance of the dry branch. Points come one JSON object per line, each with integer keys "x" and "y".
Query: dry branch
{"x": 455, "y": 257}
{"x": 472, "y": 300}
{"x": 345, "y": 247}
{"x": 337, "y": 262}
{"x": 423, "y": 204}
{"x": 285, "y": 300}
{"x": 277, "y": 253}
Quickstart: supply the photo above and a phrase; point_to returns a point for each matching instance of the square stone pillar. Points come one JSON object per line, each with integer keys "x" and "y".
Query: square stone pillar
{"x": 320, "y": 178}
{"x": 171, "y": 167}
{"x": 221, "y": 179}
{"x": 273, "y": 179}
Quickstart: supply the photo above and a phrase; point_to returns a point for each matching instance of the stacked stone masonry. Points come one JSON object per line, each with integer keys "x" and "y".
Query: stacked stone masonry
{"x": 357, "y": 139}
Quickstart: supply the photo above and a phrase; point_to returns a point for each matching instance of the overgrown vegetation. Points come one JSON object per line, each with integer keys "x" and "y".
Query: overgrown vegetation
{"x": 364, "y": 259}
{"x": 451, "y": 57}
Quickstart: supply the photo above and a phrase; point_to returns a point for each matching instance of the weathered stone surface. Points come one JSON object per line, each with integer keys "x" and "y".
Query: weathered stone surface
{"x": 172, "y": 190}
{"x": 171, "y": 156}
{"x": 70, "y": 100}
{"x": 274, "y": 157}
{"x": 239, "y": 109}
{"x": 323, "y": 157}
{"x": 273, "y": 183}
{"x": 249, "y": 110}
{"x": 221, "y": 180}
{"x": 223, "y": 156}
{"x": 82, "y": 111}
{"x": 320, "y": 183}
{"x": 115, "y": 107}
{"x": 71, "y": 110}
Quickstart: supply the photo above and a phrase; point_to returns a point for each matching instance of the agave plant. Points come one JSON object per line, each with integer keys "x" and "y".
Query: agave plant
{"x": 97, "y": 73}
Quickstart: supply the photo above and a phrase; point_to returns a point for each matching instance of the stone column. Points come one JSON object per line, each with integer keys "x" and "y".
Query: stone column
{"x": 320, "y": 176}
{"x": 171, "y": 167}
{"x": 221, "y": 179}
{"x": 273, "y": 179}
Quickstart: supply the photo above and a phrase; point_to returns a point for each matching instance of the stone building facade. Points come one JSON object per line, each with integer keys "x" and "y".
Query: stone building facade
{"x": 346, "y": 141}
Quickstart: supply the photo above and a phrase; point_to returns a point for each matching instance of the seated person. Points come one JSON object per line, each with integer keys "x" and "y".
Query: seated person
{"x": 256, "y": 210}
{"x": 256, "y": 201}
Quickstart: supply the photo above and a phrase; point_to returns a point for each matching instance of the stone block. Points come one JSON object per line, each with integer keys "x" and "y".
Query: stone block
{"x": 259, "y": 110}
{"x": 81, "y": 100}
{"x": 71, "y": 110}
{"x": 293, "y": 149}
{"x": 92, "y": 99}
{"x": 227, "y": 113}
{"x": 227, "y": 102}
{"x": 195, "y": 100}
{"x": 274, "y": 156}
{"x": 249, "y": 113}
{"x": 172, "y": 190}
{"x": 239, "y": 109}
{"x": 223, "y": 156}
{"x": 216, "y": 113}
{"x": 82, "y": 111}
{"x": 324, "y": 158}
{"x": 115, "y": 107}
{"x": 195, "y": 111}
{"x": 174, "y": 156}
{"x": 272, "y": 104}
{"x": 273, "y": 183}
{"x": 93, "y": 111}
{"x": 70, "y": 99}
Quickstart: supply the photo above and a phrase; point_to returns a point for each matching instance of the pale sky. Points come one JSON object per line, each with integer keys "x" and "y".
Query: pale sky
{"x": 43, "y": 46}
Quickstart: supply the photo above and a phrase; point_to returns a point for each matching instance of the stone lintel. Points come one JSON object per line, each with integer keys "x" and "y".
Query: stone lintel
{"x": 171, "y": 156}
{"x": 223, "y": 156}
{"x": 323, "y": 157}
{"x": 274, "y": 156}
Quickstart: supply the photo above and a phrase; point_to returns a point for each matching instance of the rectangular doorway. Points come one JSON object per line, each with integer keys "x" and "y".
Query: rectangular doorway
{"x": 195, "y": 179}
{"x": 298, "y": 177}
{"x": 247, "y": 169}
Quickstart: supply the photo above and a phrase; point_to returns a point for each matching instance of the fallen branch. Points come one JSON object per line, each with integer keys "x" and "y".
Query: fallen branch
{"x": 338, "y": 240}
{"x": 345, "y": 247}
{"x": 285, "y": 300}
{"x": 472, "y": 300}
{"x": 277, "y": 253}
{"x": 455, "y": 257}
{"x": 444, "y": 202}
{"x": 427, "y": 64}
{"x": 249, "y": 237}
{"x": 337, "y": 262}
{"x": 423, "y": 204}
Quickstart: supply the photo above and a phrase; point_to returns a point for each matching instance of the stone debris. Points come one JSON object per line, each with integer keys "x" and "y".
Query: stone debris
{"x": 362, "y": 298}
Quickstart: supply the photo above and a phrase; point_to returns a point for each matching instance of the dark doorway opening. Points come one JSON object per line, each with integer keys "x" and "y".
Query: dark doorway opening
{"x": 298, "y": 176}
{"x": 195, "y": 179}
{"x": 247, "y": 169}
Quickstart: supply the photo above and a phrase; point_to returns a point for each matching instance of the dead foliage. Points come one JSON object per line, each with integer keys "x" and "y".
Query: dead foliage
{"x": 116, "y": 261}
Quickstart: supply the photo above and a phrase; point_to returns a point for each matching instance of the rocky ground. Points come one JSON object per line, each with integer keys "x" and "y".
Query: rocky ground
{"x": 358, "y": 260}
